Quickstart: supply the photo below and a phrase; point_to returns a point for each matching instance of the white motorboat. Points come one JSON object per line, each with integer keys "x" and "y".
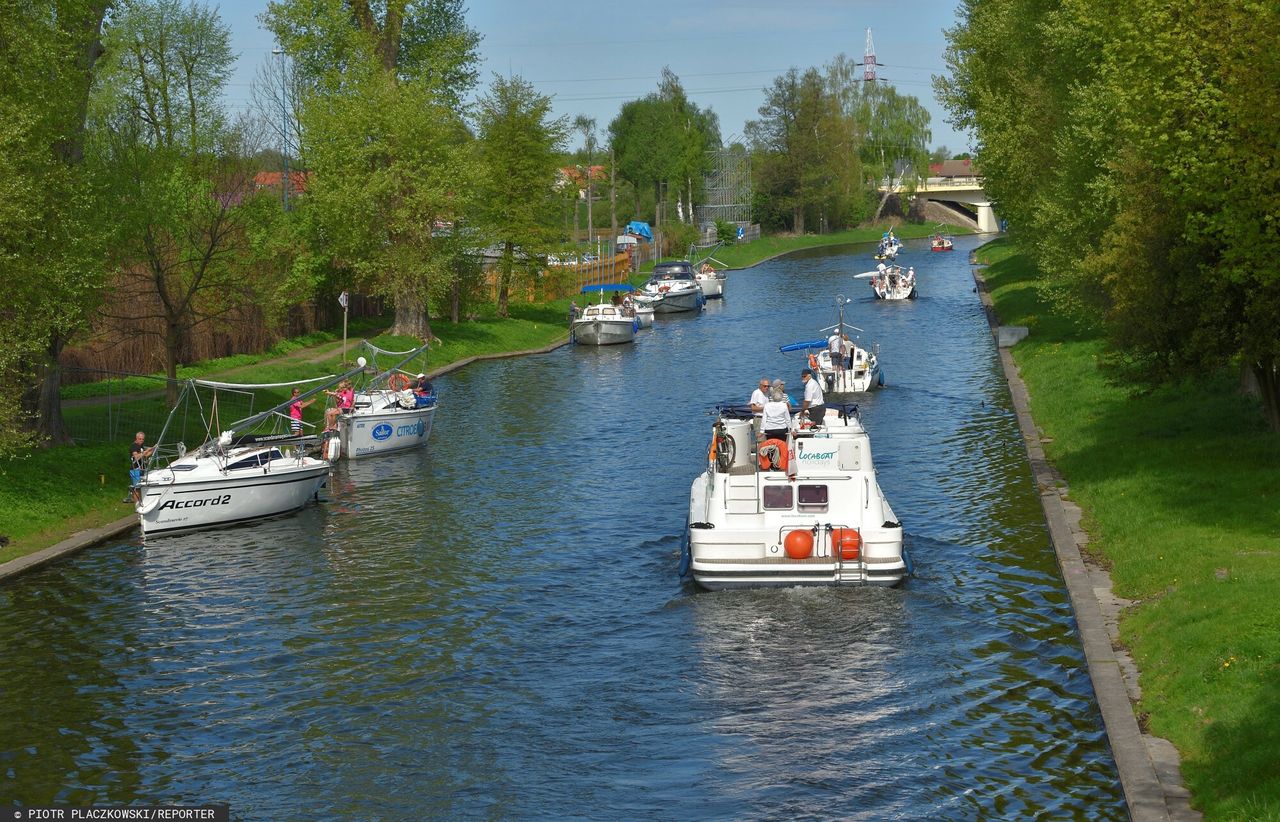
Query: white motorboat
{"x": 644, "y": 314}
{"x": 390, "y": 412}
{"x": 849, "y": 369}
{"x": 806, "y": 510}
{"x": 940, "y": 243}
{"x": 230, "y": 478}
{"x": 605, "y": 323}
{"x": 675, "y": 284}
{"x": 892, "y": 282}
{"x": 711, "y": 280}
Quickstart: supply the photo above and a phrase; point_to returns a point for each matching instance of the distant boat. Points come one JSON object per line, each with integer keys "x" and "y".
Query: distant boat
{"x": 891, "y": 282}
{"x": 674, "y": 283}
{"x": 605, "y": 323}
{"x": 852, "y": 370}
{"x": 940, "y": 243}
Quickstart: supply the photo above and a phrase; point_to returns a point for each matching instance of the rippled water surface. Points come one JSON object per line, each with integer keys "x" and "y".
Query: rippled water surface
{"x": 493, "y": 628}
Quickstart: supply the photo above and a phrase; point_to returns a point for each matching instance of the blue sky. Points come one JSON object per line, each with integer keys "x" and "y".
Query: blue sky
{"x": 592, "y": 57}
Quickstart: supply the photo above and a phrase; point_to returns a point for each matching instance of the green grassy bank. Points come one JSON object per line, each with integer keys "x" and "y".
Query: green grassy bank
{"x": 1181, "y": 493}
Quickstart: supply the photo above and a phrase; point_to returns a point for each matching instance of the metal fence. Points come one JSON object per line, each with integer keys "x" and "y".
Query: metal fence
{"x": 111, "y": 406}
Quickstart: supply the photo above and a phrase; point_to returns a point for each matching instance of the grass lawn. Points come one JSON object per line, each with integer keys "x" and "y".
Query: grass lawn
{"x": 1181, "y": 493}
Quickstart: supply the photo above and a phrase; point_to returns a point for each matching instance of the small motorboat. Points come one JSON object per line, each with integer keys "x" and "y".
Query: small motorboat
{"x": 711, "y": 280}
{"x": 889, "y": 246}
{"x": 940, "y": 243}
{"x": 391, "y": 412}
{"x": 674, "y": 282}
{"x": 891, "y": 282}
{"x": 844, "y": 366}
{"x": 607, "y": 322}
{"x": 806, "y": 510}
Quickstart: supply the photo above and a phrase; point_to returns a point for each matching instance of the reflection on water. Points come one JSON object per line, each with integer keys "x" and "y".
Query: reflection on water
{"x": 493, "y": 628}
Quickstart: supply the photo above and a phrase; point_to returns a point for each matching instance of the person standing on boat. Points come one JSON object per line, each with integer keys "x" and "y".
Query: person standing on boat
{"x": 138, "y": 454}
{"x": 775, "y": 418}
{"x": 345, "y": 396}
{"x": 295, "y": 412}
{"x": 849, "y": 350}
{"x": 835, "y": 350}
{"x": 814, "y": 402}
{"x": 758, "y": 398}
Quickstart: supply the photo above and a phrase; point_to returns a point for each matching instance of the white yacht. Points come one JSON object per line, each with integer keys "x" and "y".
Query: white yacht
{"x": 806, "y": 510}
{"x": 677, "y": 289}
{"x": 711, "y": 280}
{"x": 391, "y": 412}
{"x": 892, "y": 282}
{"x": 853, "y": 370}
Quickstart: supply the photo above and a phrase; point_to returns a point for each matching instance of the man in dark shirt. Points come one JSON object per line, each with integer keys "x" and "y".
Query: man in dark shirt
{"x": 138, "y": 454}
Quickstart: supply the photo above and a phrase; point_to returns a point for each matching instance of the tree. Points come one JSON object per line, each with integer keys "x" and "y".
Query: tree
{"x": 179, "y": 174}
{"x": 52, "y": 228}
{"x": 518, "y": 145}
{"x": 804, "y": 149}
{"x": 384, "y": 137}
{"x": 586, "y": 126}
{"x": 1144, "y": 179}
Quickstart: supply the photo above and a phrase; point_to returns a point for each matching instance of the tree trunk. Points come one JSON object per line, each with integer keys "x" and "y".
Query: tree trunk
{"x": 172, "y": 353}
{"x": 455, "y": 300}
{"x": 411, "y": 318}
{"x": 1268, "y": 378}
{"x": 49, "y": 403}
{"x": 613, "y": 197}
{"x": 797, "y": 220}
{"x": 504, "y": 268}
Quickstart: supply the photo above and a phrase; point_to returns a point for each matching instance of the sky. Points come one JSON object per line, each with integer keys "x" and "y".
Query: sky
{"x": 590, "y": 58}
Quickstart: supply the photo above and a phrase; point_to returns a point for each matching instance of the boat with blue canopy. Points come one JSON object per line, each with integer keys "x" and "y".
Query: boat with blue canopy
{"x": 608, "y": 322}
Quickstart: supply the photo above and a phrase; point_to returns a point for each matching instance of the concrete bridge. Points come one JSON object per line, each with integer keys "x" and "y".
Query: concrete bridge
{"x": 965, "y": 190}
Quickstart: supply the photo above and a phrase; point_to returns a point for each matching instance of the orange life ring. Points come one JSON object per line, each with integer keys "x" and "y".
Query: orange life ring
{"x": 398, "y": 382}
{"x": 663, "y": 288}
{"x": 767, "y": 464}
{"x": 813, "y": 362}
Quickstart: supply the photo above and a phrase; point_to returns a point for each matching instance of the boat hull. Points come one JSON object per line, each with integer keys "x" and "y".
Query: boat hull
{"x": 604, "y": 332}
{"x": 674, "y": 302}
{"x": 383, "y": 430}
{"x": 644, "y": 317}
{"x": 712, "y": 286}
{"x": 181, "y": 504}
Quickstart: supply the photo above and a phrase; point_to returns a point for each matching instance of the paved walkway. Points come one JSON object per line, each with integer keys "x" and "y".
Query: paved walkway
{"x": 1148, "y": 765}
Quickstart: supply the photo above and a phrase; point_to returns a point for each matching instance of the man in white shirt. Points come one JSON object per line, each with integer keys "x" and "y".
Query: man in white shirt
{"x": 758, "y": 398}
{"x": 814, "y": 403}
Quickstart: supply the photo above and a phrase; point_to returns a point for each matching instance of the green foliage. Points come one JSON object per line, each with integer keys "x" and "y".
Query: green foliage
{"x": 517, "y": 145}
{"x": 1178, "y": 487}
{"x": 726, "y": 232}
{"x": 1143, "y": 179}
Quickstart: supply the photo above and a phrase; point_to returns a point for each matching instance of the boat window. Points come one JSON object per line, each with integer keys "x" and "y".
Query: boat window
{"x": 812, "y": 497}
{"x": 777, "y": 497}
{"x": 252, "y": 461}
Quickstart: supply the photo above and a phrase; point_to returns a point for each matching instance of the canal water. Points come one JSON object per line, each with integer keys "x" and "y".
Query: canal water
{"x": 493, "y": 628}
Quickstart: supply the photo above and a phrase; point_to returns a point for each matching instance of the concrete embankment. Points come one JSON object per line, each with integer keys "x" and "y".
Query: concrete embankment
{"x": 1148, "y": 765}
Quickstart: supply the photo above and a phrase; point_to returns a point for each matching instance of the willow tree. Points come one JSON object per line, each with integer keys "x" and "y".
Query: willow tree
{"x": 52, "y": 227}
{"x": 383, "y": 137}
